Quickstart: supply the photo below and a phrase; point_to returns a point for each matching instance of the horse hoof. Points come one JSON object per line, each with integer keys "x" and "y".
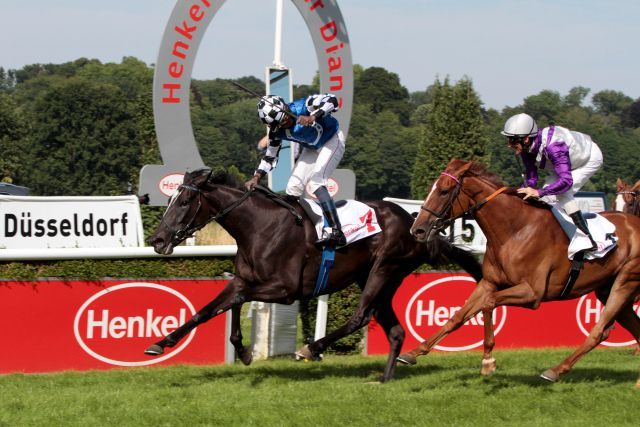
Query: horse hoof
{"x": 488, "y": 367}
{"x": 407, "y": 359}
{"x": 154, "y": 350}
{"x": 304, "y": 353}
{"x": 550, "y": 375}
{"x": 247, "y": 357}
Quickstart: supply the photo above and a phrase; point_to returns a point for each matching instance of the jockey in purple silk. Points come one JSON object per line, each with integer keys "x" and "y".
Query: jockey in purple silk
{"x": 573, "y": 157}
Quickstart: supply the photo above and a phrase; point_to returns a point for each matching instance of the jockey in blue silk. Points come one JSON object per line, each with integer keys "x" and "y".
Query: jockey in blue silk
{"x": 574, "y": 158}
{"x": 309, "y": 123}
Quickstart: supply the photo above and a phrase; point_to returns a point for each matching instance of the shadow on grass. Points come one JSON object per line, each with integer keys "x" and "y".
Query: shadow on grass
{"x": 588, "y": 376}
{"x": 304, "y": 372}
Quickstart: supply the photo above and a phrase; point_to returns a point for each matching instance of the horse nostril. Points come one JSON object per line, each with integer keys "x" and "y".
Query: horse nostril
{"x": 418, "y": 231}
{"x": 153, "y": 241}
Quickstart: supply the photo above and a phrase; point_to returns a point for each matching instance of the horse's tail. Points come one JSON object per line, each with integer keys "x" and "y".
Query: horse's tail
{"x": 443, "y": 252}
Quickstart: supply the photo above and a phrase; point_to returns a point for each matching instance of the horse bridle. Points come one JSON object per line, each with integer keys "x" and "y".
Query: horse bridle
{"x": 635, "y": 205}
{"x": 189, "y": 229}
{"x": 441, "y": 221}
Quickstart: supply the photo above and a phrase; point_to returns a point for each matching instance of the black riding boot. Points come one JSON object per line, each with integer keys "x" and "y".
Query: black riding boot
{"x": 336, "y": 238}
{"x": 581, "y": 223}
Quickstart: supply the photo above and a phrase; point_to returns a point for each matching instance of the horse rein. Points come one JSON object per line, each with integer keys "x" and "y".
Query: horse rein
{"x": 442, "y": 222}
{"x": 188, "y": 230}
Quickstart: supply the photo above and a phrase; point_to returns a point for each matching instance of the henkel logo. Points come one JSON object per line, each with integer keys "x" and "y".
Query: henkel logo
{"x": 587, "y": 315}
{"x": 118, "y": 323}
{"x": 433, "y": 304}
{"x": 332, "y": 188}
{"x": 170, "y": 183}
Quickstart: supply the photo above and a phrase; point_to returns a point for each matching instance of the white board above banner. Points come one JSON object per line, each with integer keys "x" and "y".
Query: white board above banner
{"x": 70, "y": 222}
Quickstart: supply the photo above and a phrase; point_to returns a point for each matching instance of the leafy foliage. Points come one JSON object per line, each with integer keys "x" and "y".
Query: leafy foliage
{"x": 84, "y": 127}
{"x": 453, "y": 128}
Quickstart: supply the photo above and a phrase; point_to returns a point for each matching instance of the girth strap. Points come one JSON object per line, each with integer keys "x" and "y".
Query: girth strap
{"x": 576, "y": 266}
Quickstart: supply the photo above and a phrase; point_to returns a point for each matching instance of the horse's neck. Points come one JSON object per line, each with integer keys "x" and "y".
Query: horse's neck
{"x": 503, "y": 216}
{"x": 247, "y": 220}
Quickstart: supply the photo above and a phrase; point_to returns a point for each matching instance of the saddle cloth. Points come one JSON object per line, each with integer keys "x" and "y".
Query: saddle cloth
{"x": 602, "y": 231}
{"x": 357, "y": 219}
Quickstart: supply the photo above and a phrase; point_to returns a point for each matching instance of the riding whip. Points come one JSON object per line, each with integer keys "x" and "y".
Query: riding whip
{"x": 264, "y": 98}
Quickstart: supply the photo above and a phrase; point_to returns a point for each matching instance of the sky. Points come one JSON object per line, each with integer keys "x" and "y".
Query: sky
{"x": 510, "y": 49}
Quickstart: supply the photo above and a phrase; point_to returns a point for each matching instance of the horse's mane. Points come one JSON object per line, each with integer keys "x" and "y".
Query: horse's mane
{"x": 480, "y": 170}
{"x": 218, "y": 177}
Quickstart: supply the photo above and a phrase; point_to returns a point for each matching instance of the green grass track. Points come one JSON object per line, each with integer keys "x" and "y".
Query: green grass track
{"x": 443, "y": 389}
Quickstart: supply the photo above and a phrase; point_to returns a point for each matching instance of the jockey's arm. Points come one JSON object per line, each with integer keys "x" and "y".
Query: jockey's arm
{"x": 558, "y": 154}
{"x": 270, "y": 158}
{"x": 530, "y": 170}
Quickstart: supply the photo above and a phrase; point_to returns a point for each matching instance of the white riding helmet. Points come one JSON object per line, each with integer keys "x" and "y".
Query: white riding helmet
{"x": 272, "y": 109}
{"x": 520, "y": 125}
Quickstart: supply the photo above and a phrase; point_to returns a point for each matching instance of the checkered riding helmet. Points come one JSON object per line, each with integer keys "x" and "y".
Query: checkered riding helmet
{"x": 272, "y": 110}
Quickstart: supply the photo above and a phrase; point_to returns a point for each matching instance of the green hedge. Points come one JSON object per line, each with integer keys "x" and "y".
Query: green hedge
{"x": 135, "y": 268}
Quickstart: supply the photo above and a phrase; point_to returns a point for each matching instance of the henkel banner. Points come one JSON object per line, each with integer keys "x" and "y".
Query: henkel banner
{"x": 424, "y": 302}
{"x": 70, "y": 222}
{"x": 78, "y": 325}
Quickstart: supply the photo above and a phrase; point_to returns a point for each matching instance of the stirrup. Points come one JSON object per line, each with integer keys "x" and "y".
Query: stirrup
{"x": 335, "y": 239}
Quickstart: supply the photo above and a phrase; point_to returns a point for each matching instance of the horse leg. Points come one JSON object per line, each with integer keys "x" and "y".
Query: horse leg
{"x": 621, "y": 295}
{"x": 627, "y": 318}
{"x": 244, "y": 353}
{"x": 387, "y": 318}
{"x": 480, "y": 299}
{"x": 228, "y": 298}
{"x": 360, "y": 318}
{"x": 488, "y": 366}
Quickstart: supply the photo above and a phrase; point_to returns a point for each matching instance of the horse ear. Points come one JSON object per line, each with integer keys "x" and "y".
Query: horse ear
{"x": 636, "y": 186}
{"x": 209, "y": 176}
{"x": 463, "y": 168}
{"x": 619, "y": 184}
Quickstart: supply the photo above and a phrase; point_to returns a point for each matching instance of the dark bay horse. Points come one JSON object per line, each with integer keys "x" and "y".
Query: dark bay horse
{"x": 629, "y": 195}
{"x": 278, "y": 262}
{"x": 526, "y": 259}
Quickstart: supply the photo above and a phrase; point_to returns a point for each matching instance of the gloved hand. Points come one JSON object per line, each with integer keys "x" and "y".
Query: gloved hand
{"x": 255, "y": 180}
{"x": 306, "y": 120}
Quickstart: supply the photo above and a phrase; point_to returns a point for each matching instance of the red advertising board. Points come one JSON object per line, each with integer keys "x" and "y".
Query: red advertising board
{"x": 425, "y": 301}
{"x": 78, "y": 325}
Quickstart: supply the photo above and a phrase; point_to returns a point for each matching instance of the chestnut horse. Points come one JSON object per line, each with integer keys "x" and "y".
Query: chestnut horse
{"x": 629, "y": 197}
{"x": 526, "y": 259}
{"x": 278, "y": 262}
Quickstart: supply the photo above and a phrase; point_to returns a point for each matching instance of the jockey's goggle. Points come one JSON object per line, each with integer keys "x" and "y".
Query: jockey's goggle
{"x": 512, "y": 141}
{"x": 285, "y": 121}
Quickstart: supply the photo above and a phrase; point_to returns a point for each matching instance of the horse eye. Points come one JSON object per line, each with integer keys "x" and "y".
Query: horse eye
{"x": 185, "y": 203}
{"x": 444, "y": 192}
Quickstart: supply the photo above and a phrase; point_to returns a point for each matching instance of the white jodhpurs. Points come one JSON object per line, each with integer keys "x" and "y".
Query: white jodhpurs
{"x": 580, "y": 176}
{"x": 314, "y": 167}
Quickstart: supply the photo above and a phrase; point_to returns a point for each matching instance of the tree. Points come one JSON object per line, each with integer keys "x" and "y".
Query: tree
{"x": 380, "y": 152}
{"x": 576, "y": 96}
{"x": 544, "y": 106}
{"x": 610, "y": 102}
{"x": 382, "y": 90}
{"x": 631, "y": 115}
{"x": 83, "y": 141}
{"x": 12, "y": 129}
{"x": 454, "y": 128}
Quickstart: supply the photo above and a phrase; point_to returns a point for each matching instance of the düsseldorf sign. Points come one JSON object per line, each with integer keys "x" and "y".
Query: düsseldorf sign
{"x": 172, "y": 80}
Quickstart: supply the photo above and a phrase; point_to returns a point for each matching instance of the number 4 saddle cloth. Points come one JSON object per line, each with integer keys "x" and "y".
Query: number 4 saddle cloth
{"x": 357, "y": 219}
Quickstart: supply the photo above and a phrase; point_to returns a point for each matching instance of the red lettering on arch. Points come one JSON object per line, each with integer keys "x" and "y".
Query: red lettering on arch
{"x": 324, "y": 31}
